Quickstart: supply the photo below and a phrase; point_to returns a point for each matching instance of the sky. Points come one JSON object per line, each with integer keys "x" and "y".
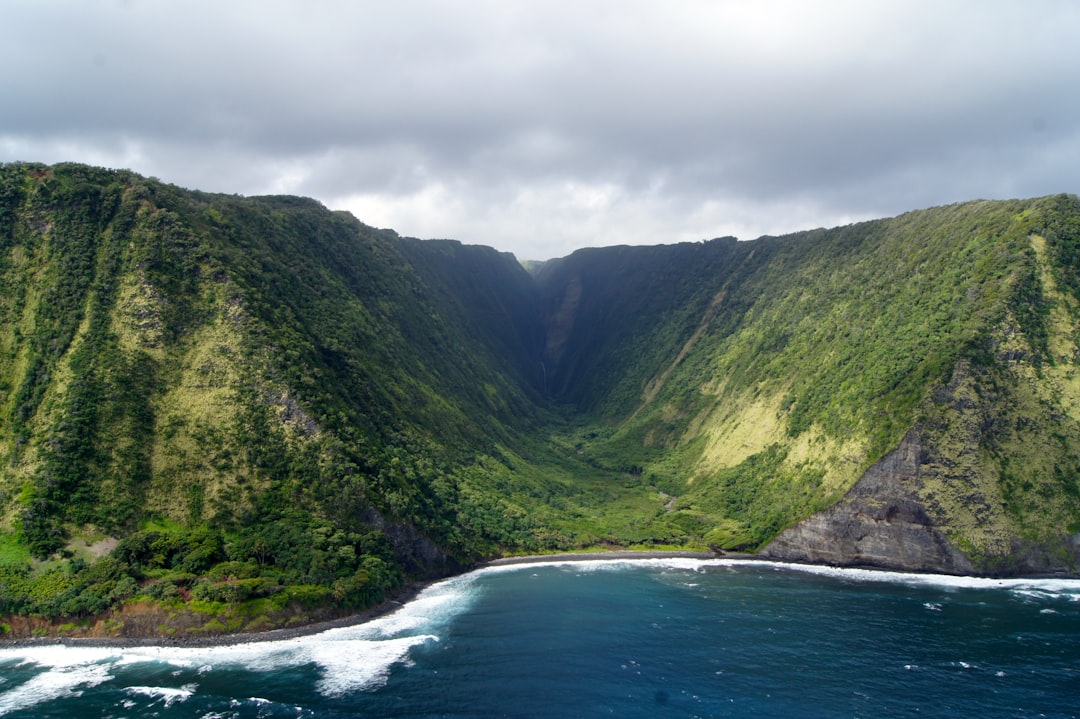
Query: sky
{"x": 544, "y": 126}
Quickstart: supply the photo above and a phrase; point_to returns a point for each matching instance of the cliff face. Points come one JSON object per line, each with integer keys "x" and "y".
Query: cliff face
{"x": 983, "y": 484}
{"x": 258, "y": 399}
{"x": 886, "y": 521}
{"x": 761, "y": 383}
{"x": 247, "y": 399}
{"x": 880, "y": 522}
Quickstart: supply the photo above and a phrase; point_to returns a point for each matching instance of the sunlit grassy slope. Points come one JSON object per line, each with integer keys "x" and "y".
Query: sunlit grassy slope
{"x": 757, "y": 381}
{"x": 262, "y": 400}
{"x": 258, "y": 402}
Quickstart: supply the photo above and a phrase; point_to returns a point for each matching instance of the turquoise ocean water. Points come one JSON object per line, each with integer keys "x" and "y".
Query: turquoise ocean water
{"x": 645, "y": 638}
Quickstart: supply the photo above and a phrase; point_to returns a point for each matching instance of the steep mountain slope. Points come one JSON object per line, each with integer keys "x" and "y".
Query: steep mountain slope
{"x": 991, "y": 466}
{"x": 191, "y": 355}
{"x": 257, "y": 398}
{"x": 773, "y": 374}
{"x": 220, "y": 412}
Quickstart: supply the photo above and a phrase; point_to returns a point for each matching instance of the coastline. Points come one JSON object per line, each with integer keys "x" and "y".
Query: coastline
{"x": 407, "y": 593}
{"x": 606, "y": 556}
{"x": 412, "y": 590}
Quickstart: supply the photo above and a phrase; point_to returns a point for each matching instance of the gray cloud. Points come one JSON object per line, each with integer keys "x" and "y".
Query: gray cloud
{"x": 541, "y": 127}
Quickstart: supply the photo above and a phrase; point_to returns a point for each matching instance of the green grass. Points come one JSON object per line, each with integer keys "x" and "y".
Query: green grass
{"x": 12, "y": 551}
{"x": 795, "y": 363}
{"x": 261, "y": 382}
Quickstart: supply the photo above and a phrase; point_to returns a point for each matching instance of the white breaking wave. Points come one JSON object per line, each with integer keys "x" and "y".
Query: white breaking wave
{"x": 360, "y": 657}
{"x": 168, "y": 695}
{"x": 1047, "y": 588}
{"x": 63, "y": 681}
{"x": 1034, "y": 588}
{"x": 350, "y": 659}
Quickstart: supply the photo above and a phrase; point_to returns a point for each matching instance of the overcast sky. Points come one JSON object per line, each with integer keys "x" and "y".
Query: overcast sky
{"x": 540, "y": 127}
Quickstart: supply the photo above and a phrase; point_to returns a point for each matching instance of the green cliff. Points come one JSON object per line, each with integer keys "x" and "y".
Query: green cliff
{"x": 224, "y": 413}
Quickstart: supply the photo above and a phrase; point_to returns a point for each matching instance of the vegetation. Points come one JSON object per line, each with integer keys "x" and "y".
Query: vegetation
{"x": 253, "y": 410}
{"x": 757, "y": 381}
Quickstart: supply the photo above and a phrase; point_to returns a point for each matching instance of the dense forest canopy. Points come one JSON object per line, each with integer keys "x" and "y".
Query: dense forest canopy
{"x": 243, "y": 411}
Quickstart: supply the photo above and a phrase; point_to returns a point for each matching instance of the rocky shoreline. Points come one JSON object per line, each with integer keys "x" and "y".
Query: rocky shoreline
{"x": 411, "y": 591}
{"x": 408, "y": 593}
{"x": 606, "y": 555}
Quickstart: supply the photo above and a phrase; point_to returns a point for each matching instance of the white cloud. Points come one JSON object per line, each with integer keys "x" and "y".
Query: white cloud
{"x": 539, "y": 127}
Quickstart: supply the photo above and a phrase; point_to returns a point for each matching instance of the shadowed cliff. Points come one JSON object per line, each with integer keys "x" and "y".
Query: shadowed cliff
{"x": 263, "y": 404}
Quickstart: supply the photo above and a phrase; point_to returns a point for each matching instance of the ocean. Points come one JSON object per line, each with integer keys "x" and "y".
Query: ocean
{"x": 640, "y": 638}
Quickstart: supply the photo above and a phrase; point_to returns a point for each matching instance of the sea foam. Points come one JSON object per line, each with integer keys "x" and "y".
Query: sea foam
{"x": 353, "y": 658}
{"x": 168, "y": 695}
{"x": 63, "y": 681}
{"x": 1049, "y": 588}
{"x": 361, "y": 657}
{"x": 1045, "y": 588}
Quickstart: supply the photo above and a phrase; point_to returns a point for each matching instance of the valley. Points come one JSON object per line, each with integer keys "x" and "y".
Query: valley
{"x": 271, "y": 413}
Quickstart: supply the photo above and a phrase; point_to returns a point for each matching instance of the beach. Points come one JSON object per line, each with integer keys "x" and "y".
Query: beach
{"x": 388, "y": 606}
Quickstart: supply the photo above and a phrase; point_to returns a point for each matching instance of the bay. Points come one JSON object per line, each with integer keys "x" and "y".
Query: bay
{"x": 640, "y": 638}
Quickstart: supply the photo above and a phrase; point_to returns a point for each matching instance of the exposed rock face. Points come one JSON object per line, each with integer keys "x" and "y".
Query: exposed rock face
{"x": 881, "y": 522}
{"x": 416, "y": 552}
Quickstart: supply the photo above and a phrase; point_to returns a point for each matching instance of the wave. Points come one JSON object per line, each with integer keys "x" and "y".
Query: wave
{"x": 353, "y": 658}
{"x": 1039, "y": 588}
{"x": 168, "y": 695}
{"x": 345, "y": 664}
{"x": 361, "y": 657}
{"x": 1046, "y": 588}
{"x": 68, "y": 680}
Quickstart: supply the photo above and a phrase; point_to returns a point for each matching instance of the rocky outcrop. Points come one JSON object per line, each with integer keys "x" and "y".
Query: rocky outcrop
{"x": 881, "y": 522}
{"x": 420, "y": 556}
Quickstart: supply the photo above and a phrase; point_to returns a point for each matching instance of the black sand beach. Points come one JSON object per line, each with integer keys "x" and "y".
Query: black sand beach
{"x": 405, "y": 595}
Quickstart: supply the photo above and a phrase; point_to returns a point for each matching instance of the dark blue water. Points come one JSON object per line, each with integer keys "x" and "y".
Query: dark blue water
{"x": 668, "y": 638}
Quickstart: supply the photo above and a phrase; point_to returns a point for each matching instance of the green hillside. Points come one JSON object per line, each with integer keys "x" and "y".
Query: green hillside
{"x": 222, "y": 413}
{"x": 758, "y": 381}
